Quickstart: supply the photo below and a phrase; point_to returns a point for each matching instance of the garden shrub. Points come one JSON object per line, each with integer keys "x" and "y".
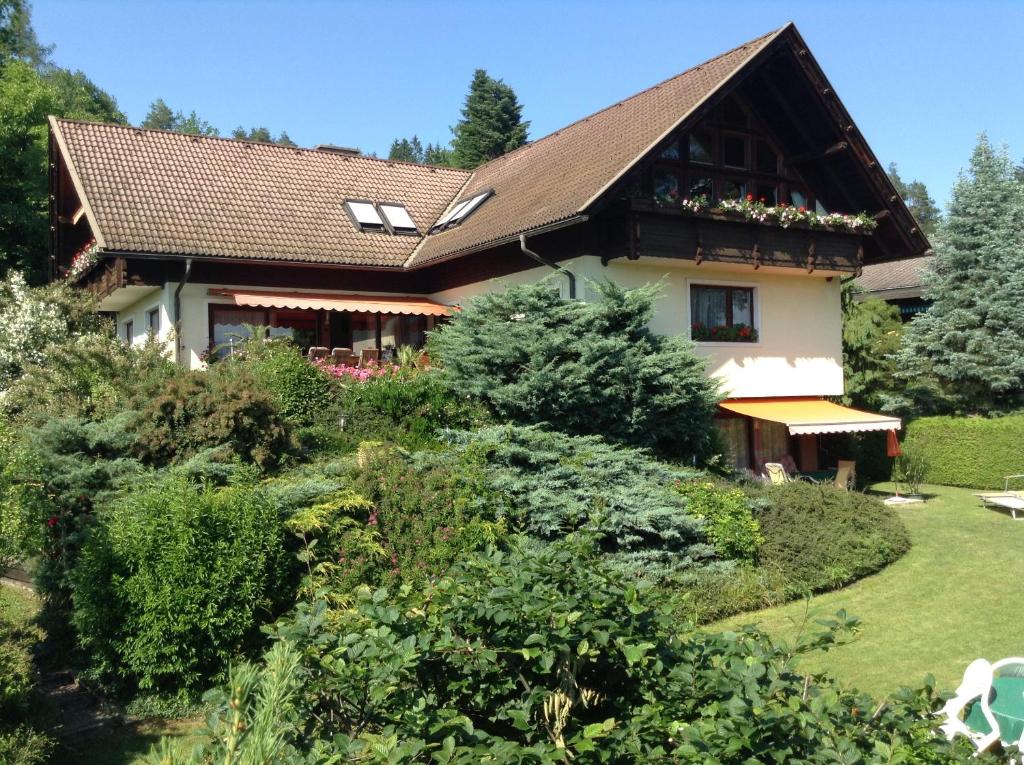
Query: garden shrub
{"x": 973, "y": 452}
{"x": 174, "y": 580}
{"x": 407, "y": 407}
{"x": 303, "y": 393}
{"x": 428, "y": 512}
{"x": 582, "y": 368}
{"x": 547, "y": 657}
{"x": 16, "y": 641}
{"x": 821, "y": 538}
{"x": 225, "y": 405}
{"x": 729, "y": 523}
{"x": 552, "y": 484}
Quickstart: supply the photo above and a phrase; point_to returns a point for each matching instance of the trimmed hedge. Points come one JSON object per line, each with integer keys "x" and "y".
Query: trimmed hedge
{"x": 973, "y": 452}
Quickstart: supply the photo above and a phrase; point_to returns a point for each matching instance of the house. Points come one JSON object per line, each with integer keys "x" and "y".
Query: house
{"x": 726, "y": 183}
{"x": 897, "y": 283}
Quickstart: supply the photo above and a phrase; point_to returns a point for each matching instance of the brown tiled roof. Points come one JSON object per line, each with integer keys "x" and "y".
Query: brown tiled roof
{"x": 166, "y": 193}
{"x": 558, "y": 176}
{"x": 157, "y": 192}
{"x": 894, "y": 275}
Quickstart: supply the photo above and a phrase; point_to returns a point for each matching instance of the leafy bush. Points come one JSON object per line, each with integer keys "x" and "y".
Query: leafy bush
{"x": 552, "y": 484}
{"x": 581, "y": 368}
{"x": 820, "y": 538}
{"x": 93, "y": 376}
{"x": 407, "y": 407}
{"x": 303, "y": 393}
{"x": 973, "y": 452}
{"x": 174, "y": 580}
{"x": 33, "y": 318}
{"x": 428, "y": 512}
{"x": 547, "y": 657}
{"x": 23, "y": 745}
{"x": 16, "y": 670}
{"x": 197, "y": 410}
{"x": 728, "y": 520}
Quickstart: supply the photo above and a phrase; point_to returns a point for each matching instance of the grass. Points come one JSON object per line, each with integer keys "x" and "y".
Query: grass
{"x": 952, "y": 599}
{"x": 131, "y": 744}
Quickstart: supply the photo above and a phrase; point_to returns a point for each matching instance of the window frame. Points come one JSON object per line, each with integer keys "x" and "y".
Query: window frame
{"x": 755, "y": 310}
{"x": 150, "y": 313}
{"x": 415, "y": 231}
{"x": 365, "y": 228}
{"x": 129, "y": 331}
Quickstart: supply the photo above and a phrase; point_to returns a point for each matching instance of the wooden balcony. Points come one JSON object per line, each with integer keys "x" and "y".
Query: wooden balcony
{"x": 662, "y": 232}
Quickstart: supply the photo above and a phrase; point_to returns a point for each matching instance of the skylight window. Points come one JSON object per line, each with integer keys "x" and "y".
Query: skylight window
{"x": 364, "y": 215}
{"x": 398, "y": 218}
{"x": 461, "y": 211}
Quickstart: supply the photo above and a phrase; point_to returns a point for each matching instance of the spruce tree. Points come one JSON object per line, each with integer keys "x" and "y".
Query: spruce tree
{"x": 406, "y": 150}
{"x": 919, "y": 201}
{"x": 966, "y": 353}
{"x": 491, "y": 125}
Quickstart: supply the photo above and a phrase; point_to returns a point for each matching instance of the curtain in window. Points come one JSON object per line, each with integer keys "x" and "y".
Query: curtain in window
{"x": 229, "y": 326}
{"x": 733, "y": 432}
{"x": 708, "y": 306}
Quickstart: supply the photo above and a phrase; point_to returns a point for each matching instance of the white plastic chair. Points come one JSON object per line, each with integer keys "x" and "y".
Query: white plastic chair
{"x": 977, "y": 684}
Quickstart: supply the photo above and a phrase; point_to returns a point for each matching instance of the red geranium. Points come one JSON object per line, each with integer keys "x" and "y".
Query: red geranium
{"x": 51, "y": 521}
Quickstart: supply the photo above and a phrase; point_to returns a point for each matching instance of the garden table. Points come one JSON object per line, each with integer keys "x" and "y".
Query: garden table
{"x": 1007, "y": 705}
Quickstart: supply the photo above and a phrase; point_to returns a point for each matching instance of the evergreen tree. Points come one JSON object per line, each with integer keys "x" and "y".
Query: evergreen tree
{"x": 871, "y": 338}
{"x": 966, "y": 353}
{"x": 18, "y": 41}
{"x": 262, "y": 135}
{"x": 162, "y": 117}
{"x": 406, "y": 150}
{"x": 491, "y": 125}
{"x": 920, "y": 203}
{"x": 436, "y": 154}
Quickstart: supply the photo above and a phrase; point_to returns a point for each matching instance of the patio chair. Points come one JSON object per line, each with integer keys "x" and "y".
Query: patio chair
{"x": 340, "y": 356}
{"x": 368, "y": 356}
{"x": 317, "y": 353}
{"x": 846, "y": 474}
{"x": 975, "y": 688}
{"x": 775, "y": 474}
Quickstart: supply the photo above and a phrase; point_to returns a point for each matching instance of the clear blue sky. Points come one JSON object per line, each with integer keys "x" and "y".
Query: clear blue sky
{"x": 921, "y": 79}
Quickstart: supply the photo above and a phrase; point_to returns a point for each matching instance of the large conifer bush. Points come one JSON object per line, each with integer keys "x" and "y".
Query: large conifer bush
{"x": 582, "y": 368}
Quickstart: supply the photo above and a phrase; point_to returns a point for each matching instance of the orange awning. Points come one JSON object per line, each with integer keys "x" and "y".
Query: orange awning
{"x": 323, "y": 301}
{"x": 811, "y": 415}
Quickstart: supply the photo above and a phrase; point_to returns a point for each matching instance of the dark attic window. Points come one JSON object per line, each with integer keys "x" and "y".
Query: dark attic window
{"x": 462, "y": 210}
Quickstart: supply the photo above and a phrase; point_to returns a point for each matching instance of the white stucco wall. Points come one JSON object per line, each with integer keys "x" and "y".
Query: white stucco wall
{"x": 799, "y": 320}
{"x": 136, "y": 313}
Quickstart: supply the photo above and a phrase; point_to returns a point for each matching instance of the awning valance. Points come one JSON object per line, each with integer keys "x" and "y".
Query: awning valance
{"x": 812, "y": 415}
{"x": 322, "y": 301}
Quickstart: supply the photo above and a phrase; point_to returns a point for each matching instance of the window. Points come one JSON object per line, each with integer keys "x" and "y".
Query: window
{"x": 461, "y": 211}
{"x": 797, "y": 198}
{"x": 734, "y": 188}
{"x": 767, "y": 193}
{"x": 129, "y": 332}
{"x": 702, "y": 147}
{"x": 153, "y": 320}
{"x": 364, "y": 215}
{"x": 734, "y": 150}
{"x": 666, "y": 184}
{"x": 398, "y": 218}
{"x": 722, "y": 314}
{"x": 230, "y": 326}
{"x": 671, "y": 151}
{"x": 701, "y": 185}
{"x": 735, "y": 436}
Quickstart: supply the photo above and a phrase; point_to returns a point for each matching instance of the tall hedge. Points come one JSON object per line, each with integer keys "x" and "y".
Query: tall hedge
{"x": 974, "y": 452}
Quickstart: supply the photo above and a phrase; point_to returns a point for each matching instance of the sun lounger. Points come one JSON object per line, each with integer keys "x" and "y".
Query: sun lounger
{"x": 1012, "y": 501}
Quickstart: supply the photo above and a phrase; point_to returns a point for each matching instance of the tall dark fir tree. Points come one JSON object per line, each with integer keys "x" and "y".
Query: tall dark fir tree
{"x": 491, "y": 125}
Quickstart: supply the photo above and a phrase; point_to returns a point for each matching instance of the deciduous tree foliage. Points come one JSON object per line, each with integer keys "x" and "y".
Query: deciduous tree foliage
{"x": 491, "y": 125}
{"x": 966, "y": 353}
{"x": 583, "y": 368}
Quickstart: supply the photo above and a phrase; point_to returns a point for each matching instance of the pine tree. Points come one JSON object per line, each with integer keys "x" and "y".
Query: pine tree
{"x": 918, "y": 200}
{"x": 406, "y": 150}
{"x": 261, "y": 135}
{"x": 966, "y": 353}
{"x": 436, "y": 154}
{"x": 871, "y": 338}
{"x": 491, "y": 125}
{"x": 162, "y": 117}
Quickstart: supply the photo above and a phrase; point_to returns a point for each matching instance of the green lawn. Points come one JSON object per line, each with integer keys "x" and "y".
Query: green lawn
{"x": 956, "y": 596}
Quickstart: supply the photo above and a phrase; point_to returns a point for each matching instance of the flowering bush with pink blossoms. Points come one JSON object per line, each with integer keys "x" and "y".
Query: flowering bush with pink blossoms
{"x": 371, "y": 371}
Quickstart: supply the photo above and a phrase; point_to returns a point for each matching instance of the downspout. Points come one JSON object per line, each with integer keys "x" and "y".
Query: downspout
{"x": 177, "y": 310}
{"x": 544, "y": 262}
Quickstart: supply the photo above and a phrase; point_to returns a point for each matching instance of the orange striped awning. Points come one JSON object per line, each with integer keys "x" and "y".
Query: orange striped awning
{"x": 811, "y": 415}
{"x": 324, "y": 301}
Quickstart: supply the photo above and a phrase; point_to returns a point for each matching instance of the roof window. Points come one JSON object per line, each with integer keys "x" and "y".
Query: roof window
{"x": 462, "y": 210}
{"x": 398, "y": 219}
{"x": 365, "y": 215}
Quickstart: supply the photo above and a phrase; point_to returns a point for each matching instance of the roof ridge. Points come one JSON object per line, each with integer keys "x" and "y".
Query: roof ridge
{"x": 621, "y": 101}
{"x": 262, "y": 143}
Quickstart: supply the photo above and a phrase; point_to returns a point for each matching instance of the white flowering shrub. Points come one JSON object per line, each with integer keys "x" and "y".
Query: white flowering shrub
{"x": 34, "y": 318}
